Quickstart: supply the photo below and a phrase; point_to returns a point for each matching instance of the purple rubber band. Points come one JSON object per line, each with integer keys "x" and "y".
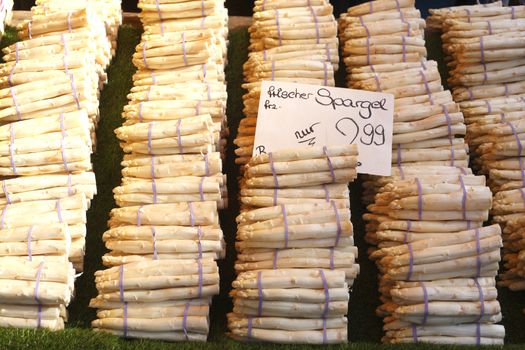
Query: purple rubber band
{"x": 63, "y": 152}
{"x": 423, "y": 65}
{"x": 29, "y": 239}
{"x": 463, "y": 171}
{"x": 326, "y": 193}
{"x": 154, "y": 237}
{"x": 125, "y": 319}
{"x": 150, "y": 128}
{"x": 37, "y": 282}
{"x": 506, "y": 90}
{"x": 409, "y": 28}
{"x": 139, "y": 216}
{"x": 153, "y": 78}
{"x": 265, "y": 56}
{"x": 192, "y": 214}
{"x": 463, "y": 197}
{"x": 179, "y": 138}
{"x": 469, "y": 224}
{"x": 185, "y": 320}
{"x": 10, "y": 78}
{"x": 325, "y": 73}
{"x": 419, "y": 199}
{"x": 361, "y": 20}
{"x": 409, "y": 228}
{"x": 414, "y": 333}
{"x": 278, "y": 27}
{"x": 316, "y": 24}
{"x": 74, "y": 89}
{"x": 482, "y": 48}
{"x": 203, "y": 13}
{"x": 6, "y": 192}
{"x": 398, "y": 6}
{"x": 250, "y": 326}
{"x": 325, "y": 336}
{"x": 326, "y": 294}
{"x": 275, "y": 254}
{"x": 404, "y": 48}
{"x": 274, "y": 174}
{"x": 490, "y": 27}
{"x": 378, "y": 82}
{"x": 468, "y": 14}
{"x": 160, "y": 17}
{"x": 39, "y": 317}
{"x": 425, "y": 300}
{"x": 154, "y": 186}
{"x": 69, "y": 29}
{"x": 328, "y": 54}
{"x": 338, "y": 222}
{"x": 275, "y": 190}
{"x": 201, "y": 281}
{"x": 330, "y": 165}
{"x": 273, "y": 70}
{"x": 427, "y": 87}
{"x": 332, "y": 263}
{"x": 520, "y": 149}
{"x": 121, "y": 283}
{"x": 183, "y": 37}
{"x": 260, "y": 293}
{"x": 411, "y": 262}
{"x": 201, "y": 191}
{"x": 199, "y": 241}
{"x": 2, "y": 220}
{"x": 30, "y": 29}
{"x": 140, "y": 112}
{"x": 481, "y": 300}
{"x": 371, "y": 7}
{"x": 478, "y": 334}
{"x": 148, "y": 96}
{"x": 470, "y": 94}
{"x": 478, "y": 252}
{"x": 17, "y": 108}
{"x": 503, "y": 117}
{"x": 59, "y": 211}
{"x": 285, "y": 220}
{"x": 489, "y": 106}
{"x": 153, "y": 167}
{"x": 367, "y": 50}
{"x": 513, "y": 12}
{"x": 206, "y": 165}
{"x": 203, "y": 22}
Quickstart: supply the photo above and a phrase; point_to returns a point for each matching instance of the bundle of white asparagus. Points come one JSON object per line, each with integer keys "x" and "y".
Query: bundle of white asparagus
{"x": 484, "y": 46}
{"x": 431, "y": 205}
{"x": 165, "y": 236}
{"x": 295, "y": 226}
{"x": 293, "y": 41}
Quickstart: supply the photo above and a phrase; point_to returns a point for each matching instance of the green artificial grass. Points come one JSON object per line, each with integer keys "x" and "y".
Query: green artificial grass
{"x": 364, "y": 329}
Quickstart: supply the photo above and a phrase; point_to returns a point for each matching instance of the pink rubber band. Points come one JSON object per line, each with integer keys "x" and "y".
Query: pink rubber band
{"x": 17, "y": 108}
{"x": 201, "y": 192}
{"x": 160, "y": 17}
{"x": 12, "y": 148}
{"x": 69, "y": 29}
{"x": 153, "y": 78}
{"x": 371, "y": 7}
{"x": 74, "y": 88}
{"x": 285, "y": 221}
{"x": 140, "y": 112}
{"x": 29, "y": 240}
{"x": 185, "y": 320}
{"x": 2, "y": 220}
{"x": 203, "y": 13}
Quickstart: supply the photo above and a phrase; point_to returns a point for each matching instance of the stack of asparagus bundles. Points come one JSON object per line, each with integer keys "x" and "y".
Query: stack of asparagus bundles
{"x": 484, "y": 46}
{"x": 6, "y": 13}
{"x": 292, "y": 41}
{"x": 426, "y": 218}
{"x": 296, "y": 254}
{"x": 165, "y": 238}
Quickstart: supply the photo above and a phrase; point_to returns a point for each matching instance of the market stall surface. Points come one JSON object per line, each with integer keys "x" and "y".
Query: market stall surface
{"x": 364, "y": 327}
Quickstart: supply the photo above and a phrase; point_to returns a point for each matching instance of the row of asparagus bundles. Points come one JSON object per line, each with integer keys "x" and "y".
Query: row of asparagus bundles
{"x": 165, "y": 238}
{"x": 483, "y": 47}
{"x": 296, "y": 257}
{"x": 48, "y": 108}
{"x": 291, "y": 41}
{"x": 431, "y": 204}
{"x": 6, "y": 14}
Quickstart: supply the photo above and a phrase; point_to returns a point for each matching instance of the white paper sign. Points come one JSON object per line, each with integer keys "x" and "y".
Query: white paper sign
{"x": 298, "y": 115}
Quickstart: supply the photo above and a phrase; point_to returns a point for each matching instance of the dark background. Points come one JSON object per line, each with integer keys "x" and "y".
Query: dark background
{"x": 244, "y": 7}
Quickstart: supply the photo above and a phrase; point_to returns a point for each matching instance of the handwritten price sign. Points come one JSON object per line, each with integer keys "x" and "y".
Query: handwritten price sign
{"x": 299, "y": 115}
